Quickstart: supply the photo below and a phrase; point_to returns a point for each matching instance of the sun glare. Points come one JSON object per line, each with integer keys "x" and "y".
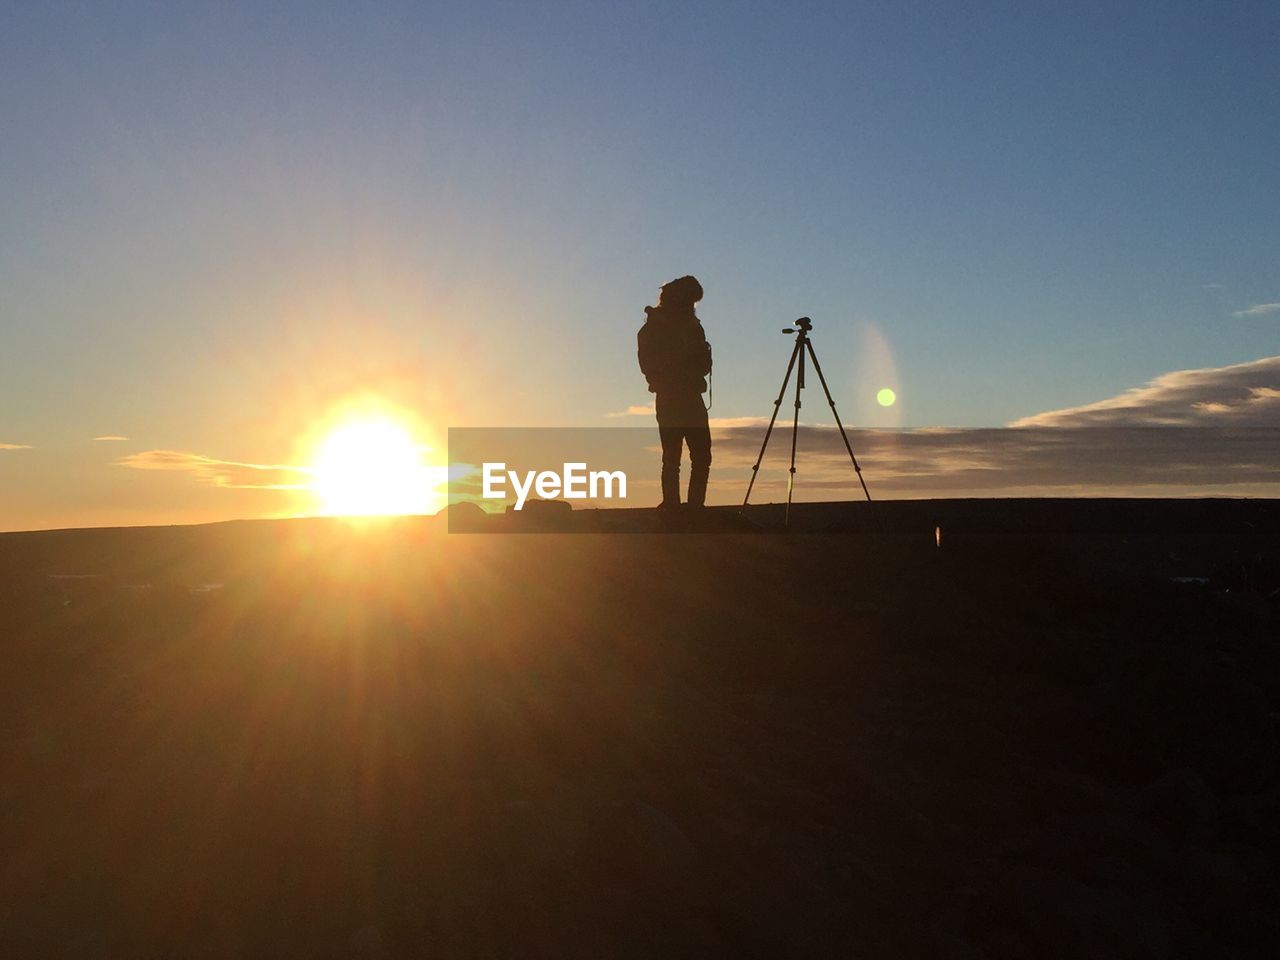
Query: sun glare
{"x": 371, "y": 467}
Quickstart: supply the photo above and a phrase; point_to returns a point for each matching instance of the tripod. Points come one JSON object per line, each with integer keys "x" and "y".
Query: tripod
{"x": 803, "y": 345}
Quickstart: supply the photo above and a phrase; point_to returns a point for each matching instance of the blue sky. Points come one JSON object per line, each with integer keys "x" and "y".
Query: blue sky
{"x": 213, "y": 217}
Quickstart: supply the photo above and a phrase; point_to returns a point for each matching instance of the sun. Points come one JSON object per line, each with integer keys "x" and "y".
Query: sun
{"x": 371, "y": 466}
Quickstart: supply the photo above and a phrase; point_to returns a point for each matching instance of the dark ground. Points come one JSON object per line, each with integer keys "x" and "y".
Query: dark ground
{"x": 392, "y": 741}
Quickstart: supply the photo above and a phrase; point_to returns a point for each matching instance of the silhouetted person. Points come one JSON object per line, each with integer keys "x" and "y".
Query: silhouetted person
{"x": 676, "y": 358}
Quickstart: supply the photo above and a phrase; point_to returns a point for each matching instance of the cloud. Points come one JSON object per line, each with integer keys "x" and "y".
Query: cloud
{"x": 998, "y": 460}
{"x": 1259, "y": 310}
{"x": 231, "y": 474}
{"x": 731, "y": 422}
{"x": 110, "y": 437}
{"x": 1184, "y": 432}
{"x": 15, "y": 446}
{"x": 635, "y": 410}
{"x": 1245, "y": 394}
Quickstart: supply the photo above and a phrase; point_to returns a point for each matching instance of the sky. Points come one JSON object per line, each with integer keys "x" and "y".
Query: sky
{"x": 221, "y": 225}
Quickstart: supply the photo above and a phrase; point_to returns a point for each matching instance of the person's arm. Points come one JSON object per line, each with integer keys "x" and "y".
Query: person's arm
{"x": 645, "y": 354}
{"x": 703, "y": 353}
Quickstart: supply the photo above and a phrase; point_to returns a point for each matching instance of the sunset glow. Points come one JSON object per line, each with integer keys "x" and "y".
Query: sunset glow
{"x": 371, "y": 467}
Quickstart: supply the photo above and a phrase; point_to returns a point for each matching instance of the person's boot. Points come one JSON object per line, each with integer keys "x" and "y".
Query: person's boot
{"x": 698, "y": 486}
{"x": 670, "y": 489}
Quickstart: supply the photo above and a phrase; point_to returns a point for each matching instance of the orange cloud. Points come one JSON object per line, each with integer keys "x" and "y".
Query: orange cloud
{"x": 231, "y": 474}
{"x": 635, "y": 410}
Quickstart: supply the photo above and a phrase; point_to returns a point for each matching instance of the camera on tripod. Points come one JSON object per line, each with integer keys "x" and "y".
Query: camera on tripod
{"x": 802, "y": 350}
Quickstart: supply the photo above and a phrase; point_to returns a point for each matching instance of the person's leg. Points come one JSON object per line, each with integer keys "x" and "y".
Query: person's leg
{"x": 672, "y": 436}
{"x": 672, "y": 447}
{"x": 699, "y": 438}
{"x": 686, "y": 413}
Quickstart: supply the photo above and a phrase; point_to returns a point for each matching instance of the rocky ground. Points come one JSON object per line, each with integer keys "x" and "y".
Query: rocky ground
{"x": 307, "y": 738}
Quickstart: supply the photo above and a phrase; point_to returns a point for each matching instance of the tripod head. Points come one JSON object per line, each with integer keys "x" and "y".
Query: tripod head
{"x": 803, "y": 325}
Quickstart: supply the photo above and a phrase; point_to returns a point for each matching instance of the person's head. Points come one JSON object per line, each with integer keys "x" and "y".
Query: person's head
{"x": 680, "y": 294}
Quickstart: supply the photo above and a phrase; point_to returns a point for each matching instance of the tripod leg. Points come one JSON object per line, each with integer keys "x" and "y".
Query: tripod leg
{"x": 827, "y": 390}
{"x": 776, "y": 404}
{"x": 795, "y": 432}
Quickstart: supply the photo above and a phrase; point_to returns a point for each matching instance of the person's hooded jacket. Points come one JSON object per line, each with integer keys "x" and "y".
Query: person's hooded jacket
{"x": 674, "y": 354}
